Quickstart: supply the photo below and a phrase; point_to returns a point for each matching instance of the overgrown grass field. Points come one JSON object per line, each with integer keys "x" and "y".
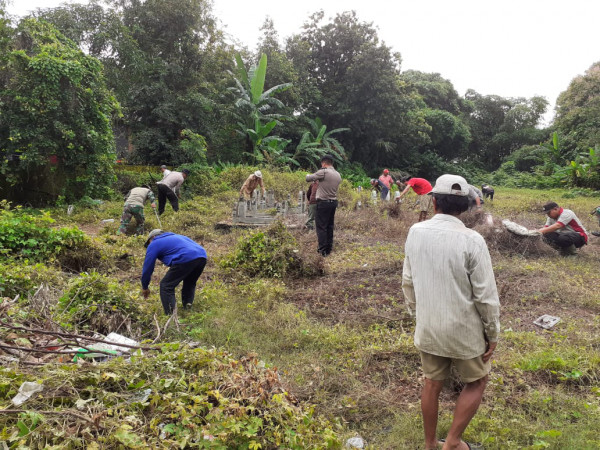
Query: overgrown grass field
{"x": 334, "y": 330}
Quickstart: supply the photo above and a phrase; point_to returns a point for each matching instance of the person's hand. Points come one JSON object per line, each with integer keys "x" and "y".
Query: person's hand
{"x": 153, "y": 205}
{"x": 145, "y": 292}
{"x": 491, "y": 346}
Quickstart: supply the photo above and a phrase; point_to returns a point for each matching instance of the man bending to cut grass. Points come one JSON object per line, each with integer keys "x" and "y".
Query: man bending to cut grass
{"x": 449, "y": 285}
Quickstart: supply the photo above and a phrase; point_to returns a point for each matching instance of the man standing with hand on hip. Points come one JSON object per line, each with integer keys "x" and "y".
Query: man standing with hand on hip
{"x": 449, "y": 286}
{"x": 329, "y": 180}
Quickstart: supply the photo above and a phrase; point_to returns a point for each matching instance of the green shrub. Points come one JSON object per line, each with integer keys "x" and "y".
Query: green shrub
{"x": 201, "y": 181}
{"x": 32, "y": 236}
{"x": 99, "y": 303}
{"x": 270, "y": 253}
{"x": 23, "y": 279}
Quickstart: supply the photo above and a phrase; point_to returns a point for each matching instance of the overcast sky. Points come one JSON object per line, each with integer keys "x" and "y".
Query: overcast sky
{"x": 512, "y": 48}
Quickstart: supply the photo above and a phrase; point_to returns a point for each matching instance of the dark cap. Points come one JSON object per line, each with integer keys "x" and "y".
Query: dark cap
{"x": 548, "y": 206}
{"x": 186, "y": 171}
{"x": 327, "y": 158}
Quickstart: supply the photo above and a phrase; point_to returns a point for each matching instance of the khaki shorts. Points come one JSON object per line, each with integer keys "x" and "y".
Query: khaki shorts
{"x": 437, "y": 368}
{"x": 424, "y": 202}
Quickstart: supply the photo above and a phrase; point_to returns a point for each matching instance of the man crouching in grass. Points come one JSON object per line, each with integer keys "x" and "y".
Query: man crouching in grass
{"x": 449, "y": 285}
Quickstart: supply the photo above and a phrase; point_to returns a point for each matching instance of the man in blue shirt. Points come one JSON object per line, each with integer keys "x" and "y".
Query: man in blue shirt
{"x": 185, "y": 259}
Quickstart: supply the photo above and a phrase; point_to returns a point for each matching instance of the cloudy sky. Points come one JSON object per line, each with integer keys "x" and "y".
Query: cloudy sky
{"x": 512, "y": 48}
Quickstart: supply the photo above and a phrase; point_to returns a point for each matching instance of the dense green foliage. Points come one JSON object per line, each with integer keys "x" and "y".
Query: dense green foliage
{"x": 98, "y": 302}
{"x": 272, "y": 253}
{"x": 578, "y": 113}
{"x": 33, "y": 237}
{"x": 55, "y": 128}
{"x": 188, "y": 97}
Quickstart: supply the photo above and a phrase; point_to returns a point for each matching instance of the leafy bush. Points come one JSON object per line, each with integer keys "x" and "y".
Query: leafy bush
{"x": 23, "y": 279}
{"x": 270, "y": 253}
{"x": 28, "y": 236}
{"x": 528, "y": 157}
{"x": 99, "y": 303}
{"x": 202, "y": 180}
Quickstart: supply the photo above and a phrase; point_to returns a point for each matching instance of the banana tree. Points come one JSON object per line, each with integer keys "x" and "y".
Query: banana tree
{"x": 317, "y": 142}
{"x": 256, "y": 135}
{"x": 254, "y": 105}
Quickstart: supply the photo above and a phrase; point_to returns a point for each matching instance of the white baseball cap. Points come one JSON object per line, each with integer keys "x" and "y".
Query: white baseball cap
{"x": 451, "y": 185}
{"x": 258, "y": 174}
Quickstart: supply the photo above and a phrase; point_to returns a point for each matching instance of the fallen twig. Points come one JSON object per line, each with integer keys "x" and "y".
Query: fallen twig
{"x": 73, "y": 336}
{"x": 157, "y": 330}
{"x": 174, "y": 319}
{"x": 56, "y": 413}
{"x": 59, "y": 352}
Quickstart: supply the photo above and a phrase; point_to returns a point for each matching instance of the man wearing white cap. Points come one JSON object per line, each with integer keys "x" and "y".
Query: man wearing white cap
{"x": 449, "y": 286}
{"x": 251, "y": 183}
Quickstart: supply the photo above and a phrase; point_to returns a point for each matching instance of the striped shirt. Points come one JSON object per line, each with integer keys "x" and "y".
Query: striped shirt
{"x": 449, "y": 284}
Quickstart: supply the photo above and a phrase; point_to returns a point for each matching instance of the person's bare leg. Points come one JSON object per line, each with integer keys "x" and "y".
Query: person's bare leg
{"x": 429, "y": 408}
{"x": 466, "y": 406}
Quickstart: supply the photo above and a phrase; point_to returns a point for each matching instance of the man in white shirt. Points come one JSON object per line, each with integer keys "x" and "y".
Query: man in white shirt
{"x": 449, "y": 286}
{"x": 165, "y": 171}
{"x": 563, "y": 229}
{"x": 168, "y": 188}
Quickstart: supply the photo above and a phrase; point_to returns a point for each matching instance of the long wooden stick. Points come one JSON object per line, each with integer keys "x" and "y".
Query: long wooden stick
{"x": 73, "y": 336}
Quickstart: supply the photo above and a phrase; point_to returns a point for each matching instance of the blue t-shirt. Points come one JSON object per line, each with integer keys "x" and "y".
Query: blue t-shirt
{"x": 170, "y": 249}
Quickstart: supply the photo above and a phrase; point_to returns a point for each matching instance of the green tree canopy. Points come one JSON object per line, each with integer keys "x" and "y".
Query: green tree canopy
{"x": 56, "y": 114}
{"x": 578, "y": 112}
{"x": 499, "y": 126}
{"x": 357, "y": 78}
{"x": 166, "y": 61}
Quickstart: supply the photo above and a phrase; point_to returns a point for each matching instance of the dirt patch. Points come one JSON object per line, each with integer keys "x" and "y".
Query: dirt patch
{"x": 357, "y": 296}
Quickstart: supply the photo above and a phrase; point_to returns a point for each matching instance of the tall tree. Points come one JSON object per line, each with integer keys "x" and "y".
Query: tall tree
{"x": 499, "y": 126}
{"x": 358, "y": 81}
{"x": 56, "y": 117}
{"x": 578, "y": 112}
{"x": 436, "y": 91}
{"x": 166, "y": 61}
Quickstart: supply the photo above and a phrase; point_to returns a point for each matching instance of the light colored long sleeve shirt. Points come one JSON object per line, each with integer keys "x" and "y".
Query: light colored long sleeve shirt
{"x": 251, "y": 183}
{"x": 329, "y": 180}
{"x": 174, "y": 181}
{"x": 449, "y": 286}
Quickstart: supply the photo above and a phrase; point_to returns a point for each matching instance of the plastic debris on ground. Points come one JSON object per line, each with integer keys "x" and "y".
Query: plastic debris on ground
{"x": 140, "y": 396}
{"x": 27, "y": 389}
{"x": 546, "y": 321}
{"x": 114, "y": 349}
{"x": 356, "y": 442}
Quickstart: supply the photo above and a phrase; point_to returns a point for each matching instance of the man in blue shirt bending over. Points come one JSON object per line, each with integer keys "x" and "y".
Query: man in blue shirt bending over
{"x": 185, "y": 259}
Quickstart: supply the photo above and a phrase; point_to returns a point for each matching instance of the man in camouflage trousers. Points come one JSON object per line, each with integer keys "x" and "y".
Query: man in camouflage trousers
{"x": 134, "y": 207}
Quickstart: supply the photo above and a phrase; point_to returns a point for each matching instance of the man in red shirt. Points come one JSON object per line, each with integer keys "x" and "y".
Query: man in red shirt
{"x": 421, "y": 187}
